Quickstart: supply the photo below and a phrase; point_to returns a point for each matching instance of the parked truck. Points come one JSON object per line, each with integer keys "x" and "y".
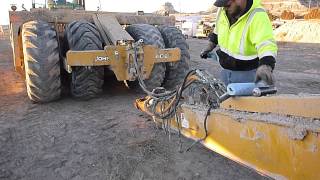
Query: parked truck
{"x": 189, "y": 29}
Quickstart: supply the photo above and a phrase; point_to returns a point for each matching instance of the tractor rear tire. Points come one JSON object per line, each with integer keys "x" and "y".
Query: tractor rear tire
{"x": 86, "y": 82}
{"x": 41, "y": 61}
{"x": 150, "y": 36}
{"x": 176, "y": 71}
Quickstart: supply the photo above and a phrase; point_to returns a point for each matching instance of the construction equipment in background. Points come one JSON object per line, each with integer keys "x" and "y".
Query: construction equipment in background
{"x": 189, "y": 29}
{"x": 205, "y": 26}
{"x": 1, "y": 31}
{"x": 278, "y": 135}
{"x": 272, "y": 17}
{"x": 63, "y": 4}
{"x": 62, "y": 47}
{"x": 195, "y": 30}
{"x": 204, "y": 29}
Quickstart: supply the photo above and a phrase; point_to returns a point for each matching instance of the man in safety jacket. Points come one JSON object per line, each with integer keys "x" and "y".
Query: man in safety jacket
{"x": 247, "y": 48}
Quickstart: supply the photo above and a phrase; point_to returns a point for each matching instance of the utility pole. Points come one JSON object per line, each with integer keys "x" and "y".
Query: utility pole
{"x": 84, "y": 4}
{"x": 310, "y": 4}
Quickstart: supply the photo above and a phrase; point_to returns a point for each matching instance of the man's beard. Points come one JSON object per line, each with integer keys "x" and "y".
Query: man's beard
{"x": 237, "y": 12}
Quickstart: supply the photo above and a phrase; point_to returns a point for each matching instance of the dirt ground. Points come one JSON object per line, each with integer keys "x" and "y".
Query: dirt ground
{"x": 107, "y": 138}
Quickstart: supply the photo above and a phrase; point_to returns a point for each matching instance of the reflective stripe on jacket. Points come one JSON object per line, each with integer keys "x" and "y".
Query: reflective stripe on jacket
{"x": 249, "y": 38}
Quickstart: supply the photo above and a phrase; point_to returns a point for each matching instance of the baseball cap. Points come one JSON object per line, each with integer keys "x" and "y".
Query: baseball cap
{"x": 221, "y": 3}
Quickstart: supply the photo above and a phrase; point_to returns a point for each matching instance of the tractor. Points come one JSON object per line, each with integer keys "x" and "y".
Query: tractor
{"x": 63, "y": 45}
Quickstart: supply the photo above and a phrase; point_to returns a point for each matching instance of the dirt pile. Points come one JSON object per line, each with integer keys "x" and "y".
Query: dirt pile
{"x": 299, "y": 7}
{"x": 313, "y": 14}
{"x": 167, "y": 8}
{"x": 287, "y": 15}
{"x": 212, "y": 9}
{"x": 299, "y": 31}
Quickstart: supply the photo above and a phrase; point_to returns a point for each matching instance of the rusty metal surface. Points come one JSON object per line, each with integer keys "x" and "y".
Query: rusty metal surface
{"x": 67, "y": 16}
{"x": 16, "y": 45}
{"x": 154, "y": 20}
{"x": 100, "y": 28}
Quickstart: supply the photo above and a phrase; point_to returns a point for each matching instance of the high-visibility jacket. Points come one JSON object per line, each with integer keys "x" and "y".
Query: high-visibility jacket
{"x": 247, "y": 43}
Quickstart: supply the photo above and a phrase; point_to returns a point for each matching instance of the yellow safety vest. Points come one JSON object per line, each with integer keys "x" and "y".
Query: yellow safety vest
{"x": 250, "y": 37}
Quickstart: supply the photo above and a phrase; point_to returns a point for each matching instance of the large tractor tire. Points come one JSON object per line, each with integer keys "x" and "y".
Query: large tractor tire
{"x": 173, "y": 38}
{"x": 41, "y": 61}
{"x": 150, "y": 36}
{"x": 86, "y": 82}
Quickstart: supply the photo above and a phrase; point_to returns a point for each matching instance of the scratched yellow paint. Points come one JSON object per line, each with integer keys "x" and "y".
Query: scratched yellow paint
{"x": 264, "y": 147}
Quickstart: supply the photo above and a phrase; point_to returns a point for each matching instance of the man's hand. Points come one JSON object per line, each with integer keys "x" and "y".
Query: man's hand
{"x": 204, "y": 54}
{"x": 209, "y": 48}
{"x": 264, "y": 73}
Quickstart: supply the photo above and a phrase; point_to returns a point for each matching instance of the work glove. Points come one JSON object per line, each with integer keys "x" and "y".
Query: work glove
{"x": 204, "y": 53}
{"x": 264, "y": 73}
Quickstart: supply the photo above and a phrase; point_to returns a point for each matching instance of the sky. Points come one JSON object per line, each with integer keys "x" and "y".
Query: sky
{"x": 117, "y": 6}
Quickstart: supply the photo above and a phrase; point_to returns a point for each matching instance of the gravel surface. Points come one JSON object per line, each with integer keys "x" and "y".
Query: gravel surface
{"x": 107, "y": 138}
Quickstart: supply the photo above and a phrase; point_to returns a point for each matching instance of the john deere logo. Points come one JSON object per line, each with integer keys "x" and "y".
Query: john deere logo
{"x": 102, "y": 58}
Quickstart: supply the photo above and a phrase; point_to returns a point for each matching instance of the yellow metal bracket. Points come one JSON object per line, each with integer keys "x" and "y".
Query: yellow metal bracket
{"x": 121, "y": 59}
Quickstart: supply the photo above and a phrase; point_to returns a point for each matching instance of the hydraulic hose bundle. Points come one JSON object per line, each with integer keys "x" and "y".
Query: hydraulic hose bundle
{"x": 198, "y": 88}
{"x": 162, "y": 104}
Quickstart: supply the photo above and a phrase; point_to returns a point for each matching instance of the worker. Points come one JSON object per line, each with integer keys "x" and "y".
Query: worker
{"x": 245, "y": 43}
